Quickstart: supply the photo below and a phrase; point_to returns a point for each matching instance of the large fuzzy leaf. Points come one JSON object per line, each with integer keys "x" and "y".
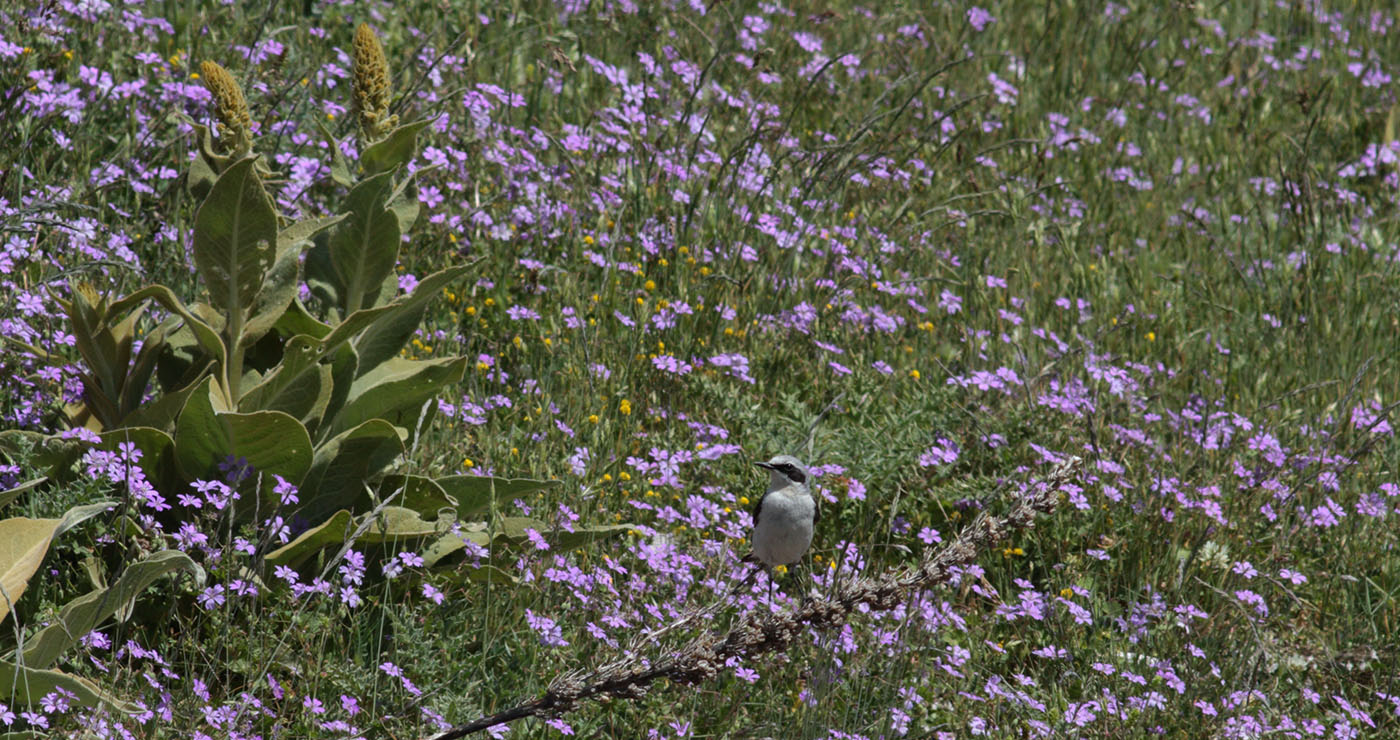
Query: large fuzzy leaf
{"x": 85, "y": 613}
{"x": 11, "y": 494}
{"x": 419, "y": 493}
{"x": 23, "y": 544}
{"x": 365, "y": 246}
{"x": 345, "y": 464}
{"x": 396, "y": 523}
{"x": 235, "y": 238}
{"x": 205, "y": 335}
{"x": 271, "y": 441}
{"x": 333, "y": 531}
{"x": 474, "y": 493}
{"x": 391, "y": 331}
{"x": 439, "y": 551}
{"x": 394, "y": 150}
{"x": 397, "y": 386}
{"x": 157, "y": 449}
{"x": 25, "y": 686}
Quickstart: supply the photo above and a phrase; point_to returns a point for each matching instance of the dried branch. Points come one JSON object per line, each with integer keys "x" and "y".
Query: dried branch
{"x": 758, "y": 633}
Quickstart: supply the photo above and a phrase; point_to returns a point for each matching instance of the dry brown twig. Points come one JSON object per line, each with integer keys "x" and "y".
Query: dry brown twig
{"x": 757, "y": 633}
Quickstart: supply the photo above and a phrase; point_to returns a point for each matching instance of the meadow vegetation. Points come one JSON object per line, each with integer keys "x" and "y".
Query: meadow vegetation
{"x": 372, "y": 368}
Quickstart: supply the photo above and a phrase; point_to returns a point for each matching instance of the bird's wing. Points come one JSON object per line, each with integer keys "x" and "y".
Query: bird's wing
{"x": 758, "y": 509}
{"x": 816, "y": 509}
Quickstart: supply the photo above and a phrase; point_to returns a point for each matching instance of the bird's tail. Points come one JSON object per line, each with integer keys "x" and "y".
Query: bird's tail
{"x": 750, "y": 558}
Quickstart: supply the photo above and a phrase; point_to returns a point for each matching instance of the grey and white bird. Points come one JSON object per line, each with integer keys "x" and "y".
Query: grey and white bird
{"x": 785, "y": 516}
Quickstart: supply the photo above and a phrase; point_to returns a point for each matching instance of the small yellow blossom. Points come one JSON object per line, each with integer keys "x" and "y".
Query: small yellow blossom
{"x": 625, "y": 407}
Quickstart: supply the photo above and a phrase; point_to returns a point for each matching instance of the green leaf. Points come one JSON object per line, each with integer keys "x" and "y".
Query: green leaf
{"x": 343, "y": 365}
{"x": 343, "y": 466}
{"x": 474, "y": 493}
{"x": 25, "y": 541}
{"x": 297, "y": 320}
{"x": 271, "y": 441}
{"x": 278, "y": 290}
{"x": 512, "y": 530}
{"x": 305, "y": 229}
{"x": 394, "y": 523}
{"x": 160, "y": 412}
{"x": 437, "y": 553}
{"x": 340, "y": 167}
{"x": 483, "y": 574}
{"x": 394, "y": 150}
{"x": 11, "y": 494}
{"x": 396, "y": 387}
{"x": 23, "y": 544}
{"x": 560, "y": 539}
{"x": 157, "y": 450}
{"x": 83, "y": 614}
{"x": 206, "y": 336}
{"x": 365, "y": 246}
{"x": 297, "y": 385}
{"x": 333, "y": 531}
{"x": 50, "y": 452}
{"x": 235, "y": 238}
{"x": 133, "y": 396}
{"x": 416, "y": 492}
{"x": 25, "y": 686}
{"x": 323, "y": 281}
{"x": 391, "y": 331}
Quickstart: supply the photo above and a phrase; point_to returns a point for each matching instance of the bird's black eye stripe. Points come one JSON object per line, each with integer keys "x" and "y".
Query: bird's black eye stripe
{"x": 794, "y": 474}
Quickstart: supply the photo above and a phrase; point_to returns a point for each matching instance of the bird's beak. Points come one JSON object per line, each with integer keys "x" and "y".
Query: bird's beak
{"x": 764, "y": 465}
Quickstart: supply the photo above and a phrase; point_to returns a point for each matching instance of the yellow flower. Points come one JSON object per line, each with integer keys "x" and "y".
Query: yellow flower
{"x": 467, "y": 462}
{"x": 1152, "y": 336}
{"x": 625, "y": 407}
{"x": 914, "y": 374}
{"x": 592, "y": 418}
{"x": 624, "y": 476}
{"x": 489, "y": 302}
{"x": 588, "y": 240}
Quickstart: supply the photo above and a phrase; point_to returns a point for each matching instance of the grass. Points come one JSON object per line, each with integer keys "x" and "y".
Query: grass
{"x": 1153, "y": 238}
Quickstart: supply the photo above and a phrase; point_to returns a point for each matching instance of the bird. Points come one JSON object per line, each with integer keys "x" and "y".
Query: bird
{"x": 784, "y": 517}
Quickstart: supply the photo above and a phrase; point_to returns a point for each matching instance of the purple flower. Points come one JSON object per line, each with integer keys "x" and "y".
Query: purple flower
{"x": 943, "y": 452}
{"x": 979, "y": 19}
{"x": 548, "y": 629}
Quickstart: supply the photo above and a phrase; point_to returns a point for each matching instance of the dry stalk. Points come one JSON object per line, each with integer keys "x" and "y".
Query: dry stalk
{"x": 757, "y": 633}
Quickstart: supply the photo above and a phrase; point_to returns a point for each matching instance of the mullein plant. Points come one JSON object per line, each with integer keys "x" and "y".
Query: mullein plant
{"x": 310, "y": 395}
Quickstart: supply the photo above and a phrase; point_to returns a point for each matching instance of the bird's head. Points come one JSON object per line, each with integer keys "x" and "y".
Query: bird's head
{"x": 785, "y": 468}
